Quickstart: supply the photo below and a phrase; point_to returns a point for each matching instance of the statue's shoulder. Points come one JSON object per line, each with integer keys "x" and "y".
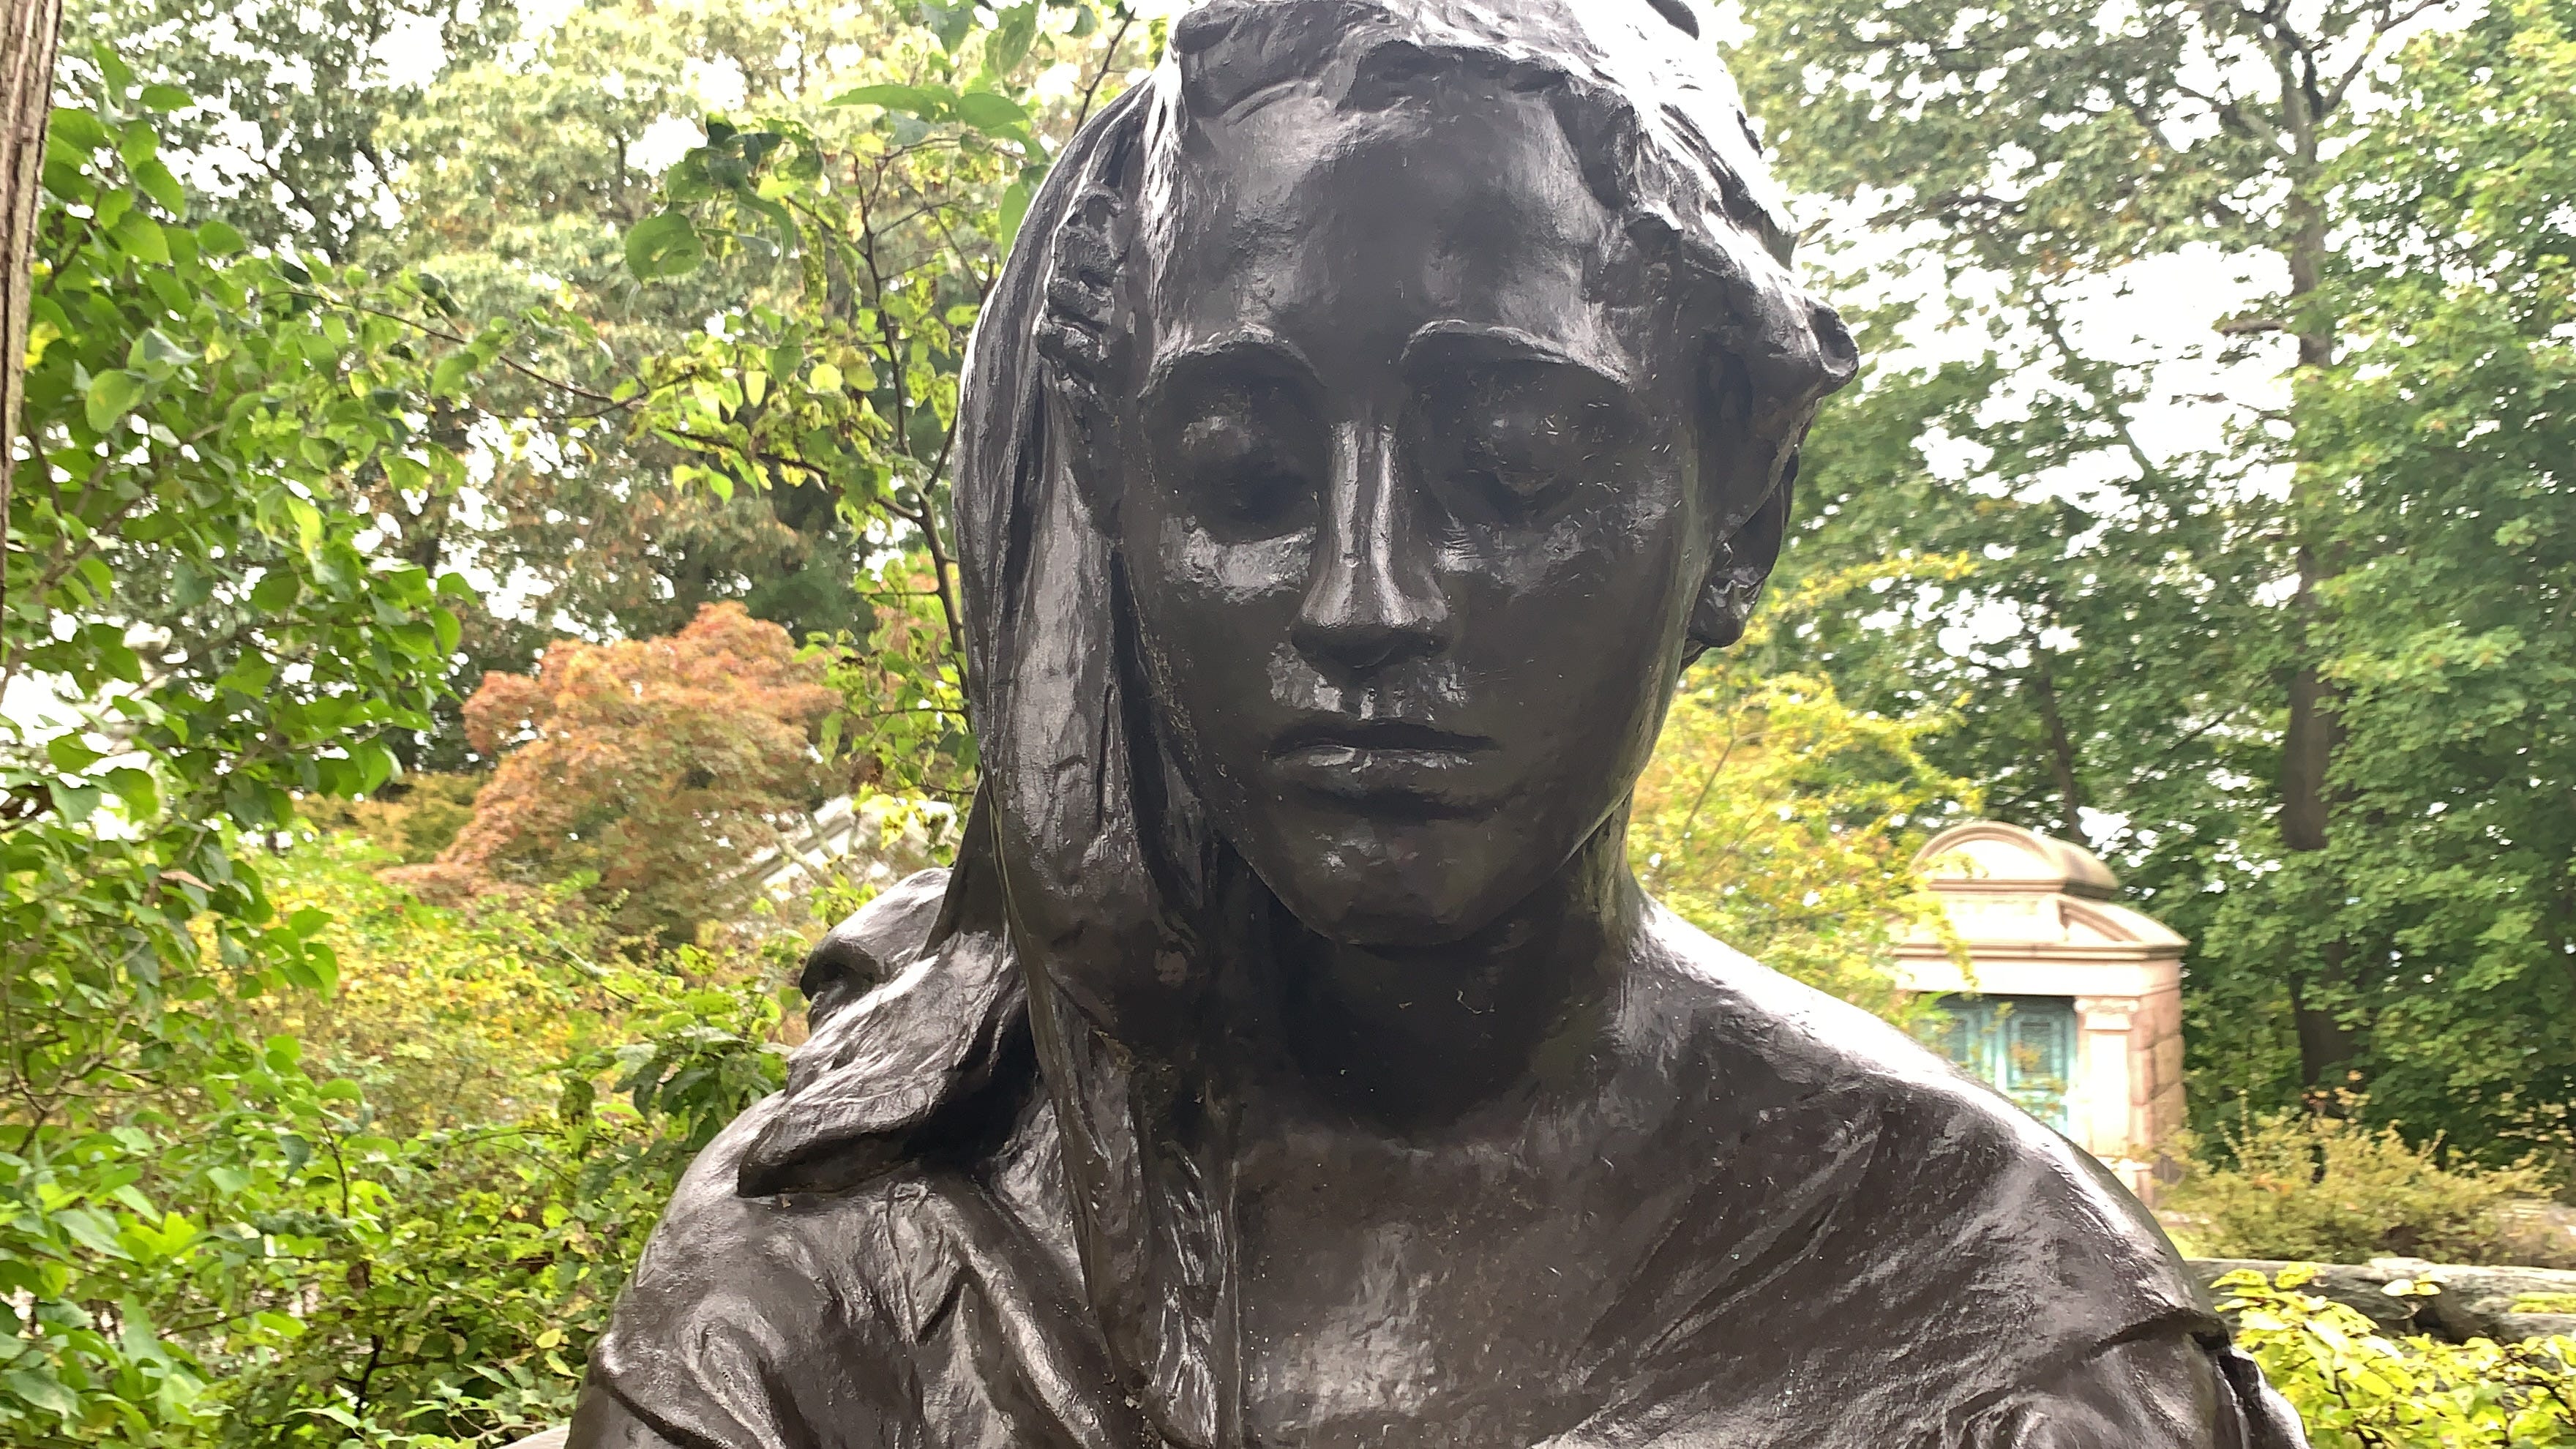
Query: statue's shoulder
{"x": 920, "y": 1037}
{"x": 1920, "y": 1251}
{"x": 1714, "y": 989}
{"x": 1779, "y": 1037}
{"x": 872, "y": 946}
{"x": 1921, "y": 1143}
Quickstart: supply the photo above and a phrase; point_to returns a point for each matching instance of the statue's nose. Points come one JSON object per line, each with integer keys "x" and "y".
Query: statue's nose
{"x": 1372, "y": 595}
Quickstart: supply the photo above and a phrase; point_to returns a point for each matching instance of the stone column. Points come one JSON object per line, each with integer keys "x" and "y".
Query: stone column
{"x": 2109, "y": 1067}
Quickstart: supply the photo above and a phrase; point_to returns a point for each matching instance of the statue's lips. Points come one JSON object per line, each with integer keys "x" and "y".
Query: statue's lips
{"x": 1395, "y": 766}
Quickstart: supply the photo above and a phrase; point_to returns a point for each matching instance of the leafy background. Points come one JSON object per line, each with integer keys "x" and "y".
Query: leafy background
{"x": 483, "y": 488}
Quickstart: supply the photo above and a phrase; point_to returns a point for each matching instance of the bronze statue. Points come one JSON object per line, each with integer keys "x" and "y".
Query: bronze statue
{"x": 1382, "y": 406}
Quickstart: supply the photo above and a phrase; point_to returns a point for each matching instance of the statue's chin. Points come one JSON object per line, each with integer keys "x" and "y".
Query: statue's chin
{"x": 1398, "y": 885}
{"x": 1390, "y": 907}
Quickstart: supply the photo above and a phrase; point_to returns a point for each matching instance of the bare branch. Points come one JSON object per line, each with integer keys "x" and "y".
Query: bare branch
{"x": 1092, "y": 91}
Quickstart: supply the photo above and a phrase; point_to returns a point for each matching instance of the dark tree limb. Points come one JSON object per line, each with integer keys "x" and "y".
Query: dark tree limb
{"x": 27, "y": 44}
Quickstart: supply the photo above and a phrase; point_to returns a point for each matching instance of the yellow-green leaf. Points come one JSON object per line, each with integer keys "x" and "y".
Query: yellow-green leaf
{"x": 111, "y": 396}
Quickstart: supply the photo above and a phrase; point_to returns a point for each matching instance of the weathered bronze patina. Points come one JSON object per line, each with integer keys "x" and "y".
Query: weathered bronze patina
{"x": 1380, "y": 409}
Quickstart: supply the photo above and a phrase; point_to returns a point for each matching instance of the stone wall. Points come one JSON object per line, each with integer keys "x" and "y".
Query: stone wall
{"x": 2473, "y": 1303}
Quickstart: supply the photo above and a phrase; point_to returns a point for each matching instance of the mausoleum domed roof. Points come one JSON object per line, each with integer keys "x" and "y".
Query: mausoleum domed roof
{"x": 1991, "y": 855}
{"x": 2008, "y": 886}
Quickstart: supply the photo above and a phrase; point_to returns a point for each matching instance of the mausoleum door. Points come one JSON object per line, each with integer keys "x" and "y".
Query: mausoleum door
{"x": 2022, "y": 1045}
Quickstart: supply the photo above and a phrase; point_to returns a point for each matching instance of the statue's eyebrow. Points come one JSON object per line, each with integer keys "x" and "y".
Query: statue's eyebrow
{"x": 1262, "y": 351}
{"x": 1495, "y": 340}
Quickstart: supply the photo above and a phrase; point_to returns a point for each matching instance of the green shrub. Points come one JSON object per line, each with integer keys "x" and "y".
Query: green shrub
{"x": 441, "y": 1291}
{"x": 403, "y": 1218}
{"x": 2357, "y": 1390}
{"x": 413, "y": 815}
{"x": 2314, "y": 1186}
{"x": 528, "y": 1088}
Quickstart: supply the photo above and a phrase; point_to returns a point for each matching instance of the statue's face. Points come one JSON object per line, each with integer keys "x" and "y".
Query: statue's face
{"x": 1418, "y": 524}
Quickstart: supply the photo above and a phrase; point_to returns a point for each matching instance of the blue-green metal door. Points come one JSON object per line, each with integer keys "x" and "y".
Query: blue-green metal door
{"x": 2023, "y": 1045}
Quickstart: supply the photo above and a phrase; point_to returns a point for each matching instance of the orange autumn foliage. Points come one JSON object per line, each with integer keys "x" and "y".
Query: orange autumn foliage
{"x": 659, "y": 766}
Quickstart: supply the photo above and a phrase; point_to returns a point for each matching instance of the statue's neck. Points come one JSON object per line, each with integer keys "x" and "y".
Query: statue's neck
{"x": 1387, "y": 1040}
{"x": 1400, "y": 1037}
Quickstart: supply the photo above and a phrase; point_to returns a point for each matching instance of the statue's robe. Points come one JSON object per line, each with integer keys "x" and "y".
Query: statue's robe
{"x": 1826, "y": 1240}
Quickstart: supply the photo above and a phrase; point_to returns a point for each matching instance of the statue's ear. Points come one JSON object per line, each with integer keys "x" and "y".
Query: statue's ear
{"x": 1742, "y": 562}
{"x": 1084, "y": 334}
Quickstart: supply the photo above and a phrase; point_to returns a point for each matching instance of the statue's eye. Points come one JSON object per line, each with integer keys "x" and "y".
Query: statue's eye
{"x": 1512, "y": 444}
{"x": 1242, "y": 471}
{"x": 1521, "y": 454}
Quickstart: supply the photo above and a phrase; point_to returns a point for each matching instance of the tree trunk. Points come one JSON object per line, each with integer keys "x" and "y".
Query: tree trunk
{"x": 27, "y": 86}
{"x": 2061, "y": 746}
{"x": 2327, "y": 1043}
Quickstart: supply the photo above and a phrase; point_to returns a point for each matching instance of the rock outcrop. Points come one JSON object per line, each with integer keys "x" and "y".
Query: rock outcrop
{"x": 2472, "y": 1303}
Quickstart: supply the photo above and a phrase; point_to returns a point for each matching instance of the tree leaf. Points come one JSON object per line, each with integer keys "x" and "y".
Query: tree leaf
{"x": 949, "y": 22}
{"x": 75, "y": 803}
{"x": 141, "y": 794}
{"x": 993, "y": 114}
{"x": 1009, "y": 43}
{"x": 111, "y": 396}
{"x": 69, "y": 755}
{"x": 1015, "y": 208}
{"x": 154, "y": 353}
{"x": 91, "y": 1229}
{"x": 139, "y": 237}
{"x": 160, "y": 185}
{"x": 79, "y": 129}
{"x": 664, "y": 245}
{"x": 308, "y": 525}
{"x": 276, "y": 592}
{"x": 42, "y": 1390}
{"x": 137, "y": 143}
{"x": 930, "y": 103}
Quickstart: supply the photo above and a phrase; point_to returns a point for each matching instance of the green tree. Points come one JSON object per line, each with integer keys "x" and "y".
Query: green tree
{"x": 192, "y": 416}
{"x": 530, "y": 166}
{"x": 1785, "y": 823}
{"x": 2437, "y": 446}
{"x": 533, "y": 1086}
{"x": 505, "y": 181}
{"x": 2164, "y": 642}
{"x": 287, "y": 125}
{"x": 508, "y": 186}
{"x": 893, "y": 204}
{"x": 209, "y": 1235}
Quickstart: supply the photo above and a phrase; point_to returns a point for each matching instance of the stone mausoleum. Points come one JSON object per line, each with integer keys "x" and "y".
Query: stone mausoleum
{"x": 2071, "y": 1003}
